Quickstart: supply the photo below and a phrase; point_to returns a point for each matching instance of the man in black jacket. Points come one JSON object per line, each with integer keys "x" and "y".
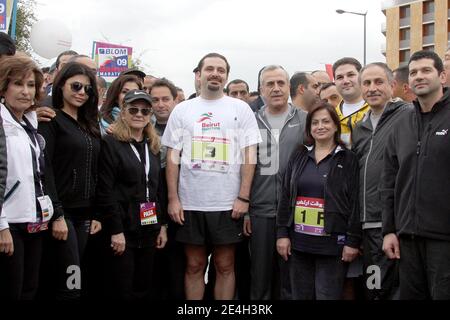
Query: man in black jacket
{"x": 369, "y": 141}
{"x": 414, "y": 192}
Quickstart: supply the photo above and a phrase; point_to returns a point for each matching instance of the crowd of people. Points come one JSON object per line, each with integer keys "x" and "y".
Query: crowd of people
{"x": 315, "y": 186}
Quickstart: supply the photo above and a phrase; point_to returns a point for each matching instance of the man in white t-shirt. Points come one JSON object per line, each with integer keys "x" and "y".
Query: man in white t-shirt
{"x": 352, "y": 108}
{"x": 209, "y": 189}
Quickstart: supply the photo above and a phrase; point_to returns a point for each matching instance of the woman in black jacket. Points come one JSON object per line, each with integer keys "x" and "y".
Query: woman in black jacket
{"x": 72, "y": 140}
{"x": 318, "y": 227}
{"x": 128, "y": 197}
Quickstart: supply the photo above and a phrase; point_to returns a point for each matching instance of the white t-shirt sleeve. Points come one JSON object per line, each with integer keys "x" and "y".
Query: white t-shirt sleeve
{"x": 173, "y": 135}
{"x": 249, "y": 132}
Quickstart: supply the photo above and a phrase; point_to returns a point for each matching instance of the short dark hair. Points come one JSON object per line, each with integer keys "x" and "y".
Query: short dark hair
{"x": 213, "y": 55}
{"x": 236, "y": 81}
{"x": 254, "y": 94}
{"x": 77, "y": 56}
{"x": 382, "y": 65}
{"x": 163, "y": 82}
{"x": 299, "y": 78}
{"x": 323, "y": 105}
{"x": 7, "y": 45}
{"x": 45, "y": 69}
{"x": 65, "y": 53}
{"x": 327, "y": 85}
{"x": 401, "y": 74}
{"x": 346, "y": 60}
{"x": 88, "y": 112}
{"x": 427, "y": 54}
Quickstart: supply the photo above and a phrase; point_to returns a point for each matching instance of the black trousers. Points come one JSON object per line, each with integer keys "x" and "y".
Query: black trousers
{"x": 169, "y": 268}
{"x": 374, "y": 256}
{"x": 19, "y": 274}
{"x": 314, "y": 276}
{"x": 424, "y": 269}
{"x": 132, "y": 274}
{"x": 63, "y": 261}
{"x": 265, "y": 272}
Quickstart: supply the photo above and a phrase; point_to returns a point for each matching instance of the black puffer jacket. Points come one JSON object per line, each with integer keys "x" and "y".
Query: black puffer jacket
{"x": 341, "y": 208}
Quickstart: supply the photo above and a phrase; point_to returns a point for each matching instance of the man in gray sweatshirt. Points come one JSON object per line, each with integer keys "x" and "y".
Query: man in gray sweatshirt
{"x": 282, "y": 127}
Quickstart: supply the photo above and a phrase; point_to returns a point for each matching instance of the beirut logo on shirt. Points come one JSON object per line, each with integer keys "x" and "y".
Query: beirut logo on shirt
{"x": 205, "y": 116}
{"x": 207, "y": 124}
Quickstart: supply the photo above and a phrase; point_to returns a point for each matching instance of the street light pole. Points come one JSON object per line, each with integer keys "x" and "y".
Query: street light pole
{"x": 340, "y": 11}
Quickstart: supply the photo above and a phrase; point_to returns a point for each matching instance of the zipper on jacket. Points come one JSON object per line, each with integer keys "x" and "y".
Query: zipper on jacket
{"x": 427, "y": 134}
{"x": 88, "y": 164}
{"x": 365, "y": 179}
{"x": 416, "y": 178}
{"x": 277, "y": 144}
{"x": 74, "y": 177}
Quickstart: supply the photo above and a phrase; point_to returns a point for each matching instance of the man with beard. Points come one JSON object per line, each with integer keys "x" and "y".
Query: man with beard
{"x": 216, "y": 137}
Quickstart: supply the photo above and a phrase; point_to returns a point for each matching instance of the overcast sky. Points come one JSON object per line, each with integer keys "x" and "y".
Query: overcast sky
{"x": 170, "y": 36}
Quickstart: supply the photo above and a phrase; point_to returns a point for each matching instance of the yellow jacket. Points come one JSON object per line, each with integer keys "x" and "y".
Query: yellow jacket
{"x": 349, "y": 122}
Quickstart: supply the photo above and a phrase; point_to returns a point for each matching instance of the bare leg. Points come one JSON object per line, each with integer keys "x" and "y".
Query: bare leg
{"x": 194, "y": 284}
{"x": 225, "y": 277}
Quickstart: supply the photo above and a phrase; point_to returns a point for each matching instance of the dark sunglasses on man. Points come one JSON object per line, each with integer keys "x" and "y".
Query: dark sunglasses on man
{"x": 77, "y": 86}
{"x": 134, "y": 111}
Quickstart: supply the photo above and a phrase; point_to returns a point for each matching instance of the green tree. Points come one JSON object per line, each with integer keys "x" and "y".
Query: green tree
{"x": 25, "y": 20}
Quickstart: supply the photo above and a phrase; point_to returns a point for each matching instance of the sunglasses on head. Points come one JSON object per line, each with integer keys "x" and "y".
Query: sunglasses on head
{"x": 77, "y": 86}
{"x": 134, "y": 111}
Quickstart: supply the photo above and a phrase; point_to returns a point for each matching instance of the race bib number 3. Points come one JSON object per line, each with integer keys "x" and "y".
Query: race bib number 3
{"x": 148, "y": 213}
{"x": 309, "y": 216}
{"x": 210, "y": 154}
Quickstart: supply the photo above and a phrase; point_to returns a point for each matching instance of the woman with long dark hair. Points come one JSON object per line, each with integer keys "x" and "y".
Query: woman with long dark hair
{"x": 72, "y": 147}
{"x": 318, "y": 228}
{"x": 110, "y": 109}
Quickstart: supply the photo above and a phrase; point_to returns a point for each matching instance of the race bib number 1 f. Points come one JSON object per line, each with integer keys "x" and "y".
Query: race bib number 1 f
{"x": 309, "y": 217}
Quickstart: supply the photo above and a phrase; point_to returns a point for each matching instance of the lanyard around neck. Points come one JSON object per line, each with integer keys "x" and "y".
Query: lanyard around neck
{"x": 147, "y": 165}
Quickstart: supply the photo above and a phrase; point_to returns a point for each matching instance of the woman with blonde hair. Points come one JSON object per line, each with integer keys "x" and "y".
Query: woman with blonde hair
{"x": 128, "y": 197}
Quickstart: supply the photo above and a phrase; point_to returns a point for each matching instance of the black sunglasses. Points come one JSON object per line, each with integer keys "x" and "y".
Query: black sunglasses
{"x": 77, "y": 86}
{"x": 134, "y": 110}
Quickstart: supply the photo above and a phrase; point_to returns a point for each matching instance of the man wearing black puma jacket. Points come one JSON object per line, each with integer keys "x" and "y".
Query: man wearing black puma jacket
{"x": 414, "y": 190}
{"x": 369, "y": 141}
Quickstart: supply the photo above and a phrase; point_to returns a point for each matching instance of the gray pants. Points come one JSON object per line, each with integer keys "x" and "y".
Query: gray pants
{"x": 264, "y": 270}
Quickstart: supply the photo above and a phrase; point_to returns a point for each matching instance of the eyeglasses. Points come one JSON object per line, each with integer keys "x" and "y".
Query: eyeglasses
{"x": 77, "y": 86}
{"x": 135, "y": 110}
